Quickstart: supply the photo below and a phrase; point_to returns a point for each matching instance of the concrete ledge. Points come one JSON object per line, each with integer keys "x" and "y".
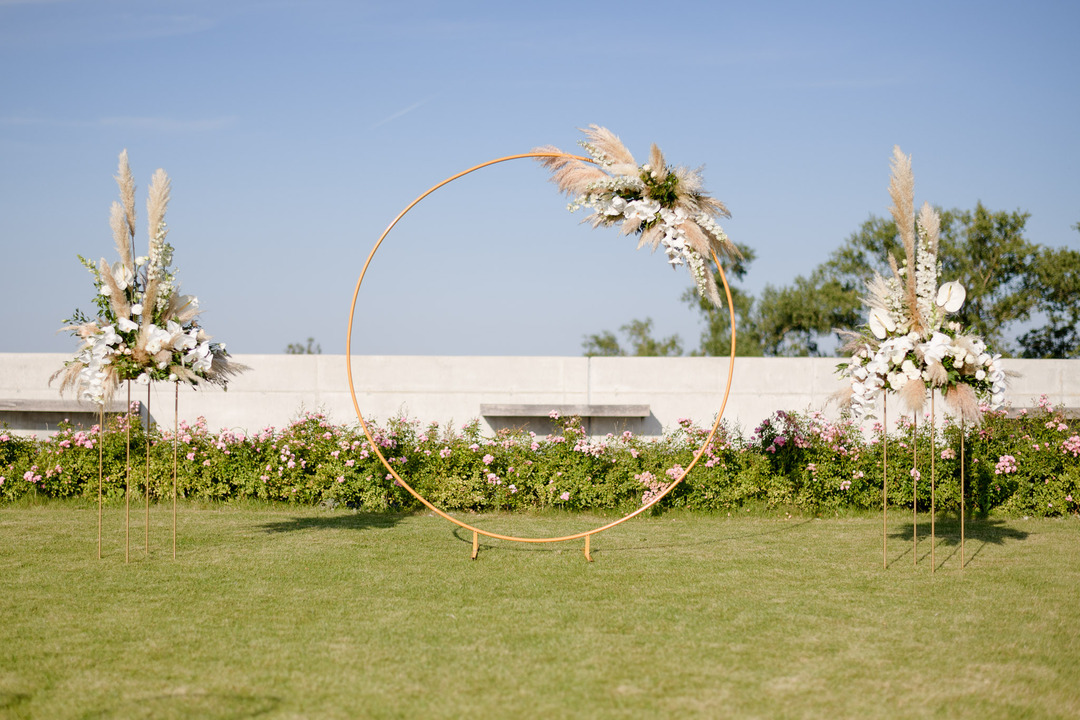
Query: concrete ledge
{"x": 530, "y": 410}
{"x": 61, "y": 406}
{"x": 42, "y": 416}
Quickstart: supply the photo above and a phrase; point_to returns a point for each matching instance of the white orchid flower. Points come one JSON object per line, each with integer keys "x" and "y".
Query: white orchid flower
{"x": 642, "y": 209}
{"x": 157, "y": 339}
{"x": 184, "y": 341}
{"x": 200, "y": 357}
{"x": 109, "y": 336}
{"x": 127, "y": 325}
{"x": 881, "y": 323}
{"x": 951, "y": 296}
{"x": 617, "y": 206}
{"x": 136, "y": 309}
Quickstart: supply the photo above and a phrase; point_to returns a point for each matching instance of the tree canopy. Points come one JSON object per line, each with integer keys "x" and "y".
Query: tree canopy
{"x": 638, "y": 334}
{"x": 1022, "y": 297}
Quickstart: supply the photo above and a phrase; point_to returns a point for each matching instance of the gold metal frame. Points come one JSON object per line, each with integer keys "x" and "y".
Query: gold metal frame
{"x": 476, "y": 532}
{"x": 914, "y": 487}
{"x": 884, "y": 480}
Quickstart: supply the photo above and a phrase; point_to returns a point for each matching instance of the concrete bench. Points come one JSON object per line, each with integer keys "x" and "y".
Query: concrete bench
{"x": 596, "y": 418}
{"x": 537, "y": 410}
{"x": 41, "y": 417}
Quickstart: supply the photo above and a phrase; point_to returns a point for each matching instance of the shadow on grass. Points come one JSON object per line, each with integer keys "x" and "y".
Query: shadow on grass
{"x": 351, "y": 521}
{"x": 13, "y": 700}
{"x": 191, "y": 704}
{"x": 981, "y": 532}
{"x": 486, "y": 543}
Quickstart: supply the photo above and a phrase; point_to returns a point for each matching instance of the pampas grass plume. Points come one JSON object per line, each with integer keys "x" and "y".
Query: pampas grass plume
{"x": 157, "y": 201}
{"x": 961, "y": 400}
{"x": 913, "y": 395}
{"x": 127, "y": 191}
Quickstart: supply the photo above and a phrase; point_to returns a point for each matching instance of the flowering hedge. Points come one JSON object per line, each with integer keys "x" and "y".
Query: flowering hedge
{"x": 1029, "y": 464}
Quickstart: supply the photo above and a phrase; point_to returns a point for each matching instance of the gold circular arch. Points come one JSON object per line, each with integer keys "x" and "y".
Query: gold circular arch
{"x": 475, "y": 530}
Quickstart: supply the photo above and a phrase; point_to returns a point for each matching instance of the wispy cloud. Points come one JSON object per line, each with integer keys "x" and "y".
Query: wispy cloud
{"x": 404, "y": 111}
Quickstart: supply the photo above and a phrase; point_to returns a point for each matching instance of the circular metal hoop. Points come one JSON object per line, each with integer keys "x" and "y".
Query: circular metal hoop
{"x": 374, "y": 446}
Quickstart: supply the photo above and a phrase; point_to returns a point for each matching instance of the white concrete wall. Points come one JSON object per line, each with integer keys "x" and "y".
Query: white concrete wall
{"x": 445, "y": 389}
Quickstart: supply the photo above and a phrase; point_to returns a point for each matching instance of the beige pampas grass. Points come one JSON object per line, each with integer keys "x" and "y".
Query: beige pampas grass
{"x": 157, "y": 201}
{"x": 696, "y": 238}
{"x": 930, "y": 222}
{"x": 613, "y": 186}
{"x": 571, "y": 175}
{"x": 879, "y": 294}
{"x": 851, "y": 341}
{"x": 961, "y": 399}
{"x": 939, "y": 376}
{"x": 127, "y": 192}
{"x": 841, "y": 397}
{"x": 117, "y": 297}
{"x": 118, "y": 224}
{"x": 69, "y": 375}
{"x": 902, "y": 192}
{"x": 221, "y": 369}
{"x": 611, "y": 146}
{"x": 913, "y": 395}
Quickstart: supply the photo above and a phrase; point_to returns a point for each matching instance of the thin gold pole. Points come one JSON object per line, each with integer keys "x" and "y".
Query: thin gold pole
{"x": 127, "y": 481}
{"x": 932, "y": 499}
{"x": 100, "y": 462}
{"x": 915, "y": 487}
{"x": 884, "y": 480}
{"x": 588, "y": 555}
{"x": 962, "y": 493}
{"x": 176, "y": 432}
{"x": 147, "y": 551}
{"x": 475, "y": 544}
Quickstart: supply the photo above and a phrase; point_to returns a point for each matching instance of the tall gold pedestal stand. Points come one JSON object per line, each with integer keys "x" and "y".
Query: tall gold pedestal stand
{"x": 932, "y": 484}
{"x": 100, "y": 463}
{"x": 175, "y": 440}
{"x": 476, "y": 532}
{"x": 915, "y": 488}
{"x": 962, "y": 501}
{"x": 147, "y": 435}
{"x": 127, "y": 480}
{"x": 884, "y": 481}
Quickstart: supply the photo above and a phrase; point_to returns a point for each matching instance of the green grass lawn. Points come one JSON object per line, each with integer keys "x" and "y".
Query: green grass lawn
{"x": 289, "y": 612}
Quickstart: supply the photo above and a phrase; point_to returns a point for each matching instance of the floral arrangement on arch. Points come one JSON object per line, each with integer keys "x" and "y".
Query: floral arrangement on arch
{"x": 662, "y": 205}
{"x": 908, "y": 344}
{"x": 144, "y": 328}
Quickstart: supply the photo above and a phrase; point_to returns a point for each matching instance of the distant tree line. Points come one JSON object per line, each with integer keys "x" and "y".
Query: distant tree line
{"x": 1024, "y": 298}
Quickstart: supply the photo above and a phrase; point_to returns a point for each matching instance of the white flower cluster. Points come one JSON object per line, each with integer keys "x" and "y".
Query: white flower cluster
{"x": 907, "y": 347}
{"x": 648, "y": 213}
{"x": 169, "y": 346}
{"x": 943, "y": 359}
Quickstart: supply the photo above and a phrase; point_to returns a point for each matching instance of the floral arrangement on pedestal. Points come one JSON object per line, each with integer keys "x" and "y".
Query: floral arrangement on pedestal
{"x": 662, "y": 205}
{"x": 144, "y": 328}
{"x": 908, "y": 343}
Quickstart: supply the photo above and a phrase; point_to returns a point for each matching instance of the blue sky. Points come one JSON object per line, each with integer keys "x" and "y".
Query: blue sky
{"x": 294, "y": 132}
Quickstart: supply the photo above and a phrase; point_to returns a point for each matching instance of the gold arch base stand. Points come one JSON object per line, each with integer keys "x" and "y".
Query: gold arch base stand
{"x": 477, "y": 532}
